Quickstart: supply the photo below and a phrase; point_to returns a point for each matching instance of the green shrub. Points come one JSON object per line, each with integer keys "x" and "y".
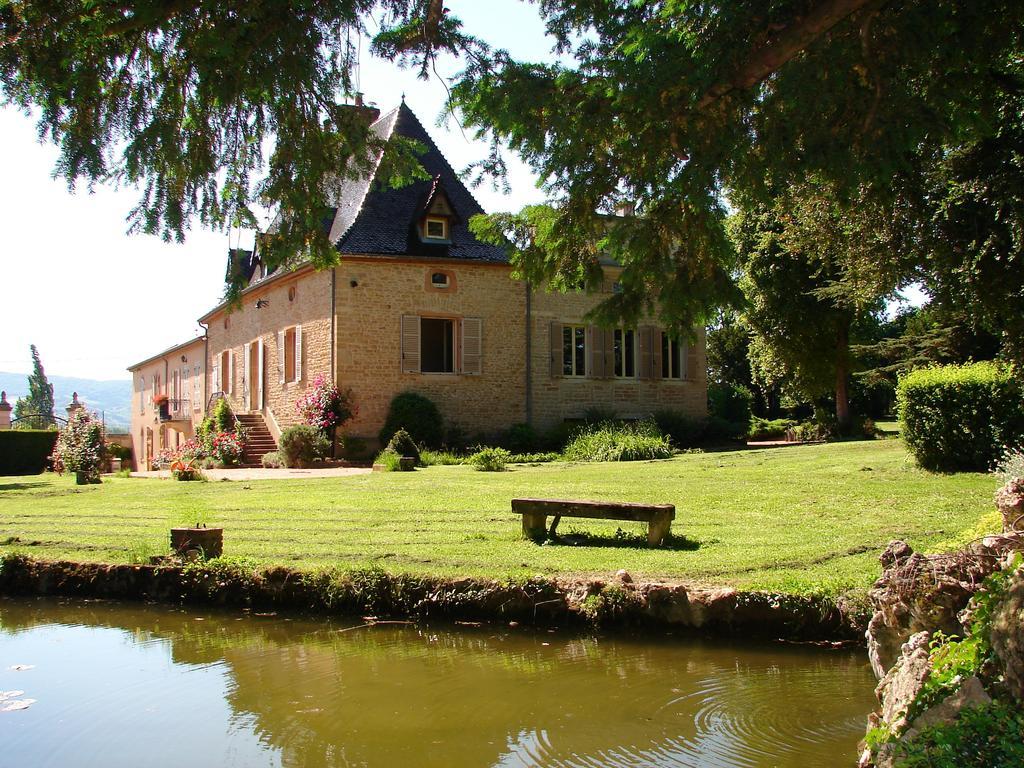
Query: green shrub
{"x": 417, "y": 415}
{"x": 390, "y": 459}
{"x": 558, "y": 436}
{"x": 599, "y": 414}
{"x": 533, "y": 458}
{"x": 986, "y": 736}
{"x": 682, "y": 430}
{"x": 638, "y": 441}
{"x": 522, "y": 438}
{"x": 429, "y": 458}
{"x": 490, "y": 459}
{"x": 769, "y": 429}
{"x": 301, "y": 444}
{"x": 118, "y": 451}
{"x": 271, "y": 460}
{"x": 223, "y": 418}
{"x": 960, "y": 417}
{"x": 730, "y": 402}
{"x": 402, "y": 444}
{"x": 26, "y": 451}
{"x": 717, "y": 429}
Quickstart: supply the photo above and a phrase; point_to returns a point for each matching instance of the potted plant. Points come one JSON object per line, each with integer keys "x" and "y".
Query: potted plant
{"x": 163, "y": 405}
{"x": 185, "y": 469}
{"x": 326, "y": 408}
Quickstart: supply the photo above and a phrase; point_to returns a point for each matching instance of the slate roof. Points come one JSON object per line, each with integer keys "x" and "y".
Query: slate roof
{"x": 373, "y": 219}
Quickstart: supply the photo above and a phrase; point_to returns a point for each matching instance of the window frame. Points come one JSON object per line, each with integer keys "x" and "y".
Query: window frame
{"x": 452, "y": 338}
{"x": 620, "y": 362}
{"x": 672, "y": 358}
{"x": 577, "y": 368}
{"x": 435, "y": 220}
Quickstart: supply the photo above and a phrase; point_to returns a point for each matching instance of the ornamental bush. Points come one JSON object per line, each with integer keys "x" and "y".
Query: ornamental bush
{"x": 961, "y": 417}
{"x": 80, "y": 447}
{"x": 403, "y": 445}
{"x": 417, "y": 415}
{"x": 226, "y": 448}
{"x": 730, "y": 402}
{"x": 301, "y": 444}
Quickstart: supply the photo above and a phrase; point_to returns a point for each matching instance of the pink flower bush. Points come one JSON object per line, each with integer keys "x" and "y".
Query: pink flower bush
{"x": 324, "y": 406}
{"x": 80, "y": 446}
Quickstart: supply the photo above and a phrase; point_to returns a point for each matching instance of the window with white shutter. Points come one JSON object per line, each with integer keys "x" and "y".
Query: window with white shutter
{"x": 472, "y": 346}
{"x": 298, "y": 353}
{"x": 282, "y": 366}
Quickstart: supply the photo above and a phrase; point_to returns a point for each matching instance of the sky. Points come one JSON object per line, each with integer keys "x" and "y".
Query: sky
{"x": 94, "y": 299}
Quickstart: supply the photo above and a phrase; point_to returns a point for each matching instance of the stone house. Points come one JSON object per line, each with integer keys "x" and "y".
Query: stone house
{"x": 418, "y": 303}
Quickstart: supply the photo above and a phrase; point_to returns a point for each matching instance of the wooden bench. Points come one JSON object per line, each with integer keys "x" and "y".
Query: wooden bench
{"x": 535, "y": 513}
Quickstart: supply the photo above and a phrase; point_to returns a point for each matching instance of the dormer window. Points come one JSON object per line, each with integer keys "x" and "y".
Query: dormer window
{"x": 435, "y": 228}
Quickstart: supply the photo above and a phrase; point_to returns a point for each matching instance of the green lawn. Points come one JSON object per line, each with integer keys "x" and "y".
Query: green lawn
{"x": 794, "y": 519}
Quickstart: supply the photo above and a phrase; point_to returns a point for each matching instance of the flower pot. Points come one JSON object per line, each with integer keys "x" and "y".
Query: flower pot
{"x": 207, "y": 542}
{"x": 407, "y": 463}
{"x": 87, "y": 477}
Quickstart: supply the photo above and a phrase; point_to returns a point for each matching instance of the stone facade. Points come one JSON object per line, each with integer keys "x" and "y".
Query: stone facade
{"x": 299, "y": 303}
{"x": 371, "y": 295}
{"x": 179, "y": 373}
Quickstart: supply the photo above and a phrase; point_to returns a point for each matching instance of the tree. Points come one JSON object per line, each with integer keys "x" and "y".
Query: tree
{"x": 675, "y": 105}
{"x": 35, "y": 411}
{"x": 974, "y": 250}
{"x": 815, "y": 269}
{"x": 670, "y": 105}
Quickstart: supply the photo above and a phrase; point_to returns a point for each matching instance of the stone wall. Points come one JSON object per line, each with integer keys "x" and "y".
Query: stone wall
{"x": 157, "y": 377}
{"x": 302, "y": 298}
{"x": 558, "y": 398}
{"x": 373, "y": 294}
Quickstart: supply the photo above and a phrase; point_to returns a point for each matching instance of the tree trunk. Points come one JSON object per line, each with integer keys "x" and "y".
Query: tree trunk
{"x": 843, "y": 376}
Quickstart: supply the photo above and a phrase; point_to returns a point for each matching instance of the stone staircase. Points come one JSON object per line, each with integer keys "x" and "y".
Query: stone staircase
{"x": 258, "y": 440}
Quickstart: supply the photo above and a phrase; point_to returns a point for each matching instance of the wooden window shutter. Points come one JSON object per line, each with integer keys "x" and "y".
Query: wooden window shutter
{"x": 596, "y": 342}
{"x": 556, "y": 350}
{"x": 656, "y": 340}
{"x": 646, "y": 334}
{"x": 410, "y": 344}
{"x": 690, "y": 374}
{"x": 609, "y": 353}
{"x": 231, "y": 371}
{"x": 298, "y": 353}
{"x": 216, "y": 378}
{"x": 246, "y": 363}
{"x": 472, "y": 346}
{"x": 261, "y": 372}
{"x": 280, "y": 357}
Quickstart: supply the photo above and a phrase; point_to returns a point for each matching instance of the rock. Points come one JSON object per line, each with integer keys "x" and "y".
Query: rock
{"x": 1007, "y": 635}
{"x": 623, "y": 575}
{"x": 1010, "y": 503}
{"x": 902, "y": 683}
{"x": 971, "y": 693}
{"x": 919, "y": 593}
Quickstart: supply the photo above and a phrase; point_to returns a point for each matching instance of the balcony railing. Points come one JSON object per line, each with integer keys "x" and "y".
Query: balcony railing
{"x": 175, "y": 410}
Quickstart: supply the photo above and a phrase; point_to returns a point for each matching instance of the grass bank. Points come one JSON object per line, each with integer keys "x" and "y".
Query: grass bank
{"x": 797, "y": 519}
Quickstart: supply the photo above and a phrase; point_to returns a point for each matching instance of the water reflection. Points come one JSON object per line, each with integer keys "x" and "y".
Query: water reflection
{"x": 136, "y": 685}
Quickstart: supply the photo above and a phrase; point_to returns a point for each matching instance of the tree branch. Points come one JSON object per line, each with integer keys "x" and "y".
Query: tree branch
{"x": 791, "y": 41}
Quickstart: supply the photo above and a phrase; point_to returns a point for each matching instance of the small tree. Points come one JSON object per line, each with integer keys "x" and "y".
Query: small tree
{"x": 35, "y": 411}
{"x": 80, "y": 448}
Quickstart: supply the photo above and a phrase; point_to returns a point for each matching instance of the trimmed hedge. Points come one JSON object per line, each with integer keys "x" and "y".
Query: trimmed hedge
{"x": 416, "y": 414}
{"x": 961, "y": 417}
{"x": 26, "y": 451}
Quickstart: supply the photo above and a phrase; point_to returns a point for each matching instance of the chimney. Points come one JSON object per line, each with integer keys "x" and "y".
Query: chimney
{"x": 625, "y": 209}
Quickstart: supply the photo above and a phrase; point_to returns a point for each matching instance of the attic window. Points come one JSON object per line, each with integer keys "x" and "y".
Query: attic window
{"x": 439, "y": 280}
{"x": 435, "y": 228}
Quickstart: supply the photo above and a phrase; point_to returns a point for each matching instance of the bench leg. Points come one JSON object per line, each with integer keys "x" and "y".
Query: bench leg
{"x": 657, "y": 531}
{"x": 534, "y": 525}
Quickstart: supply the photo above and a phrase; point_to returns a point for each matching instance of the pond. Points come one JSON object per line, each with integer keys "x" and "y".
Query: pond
{"x": 133, "y": 685}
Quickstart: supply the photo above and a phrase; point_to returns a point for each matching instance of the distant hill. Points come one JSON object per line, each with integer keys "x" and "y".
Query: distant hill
{"x": 112, "y": 399}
